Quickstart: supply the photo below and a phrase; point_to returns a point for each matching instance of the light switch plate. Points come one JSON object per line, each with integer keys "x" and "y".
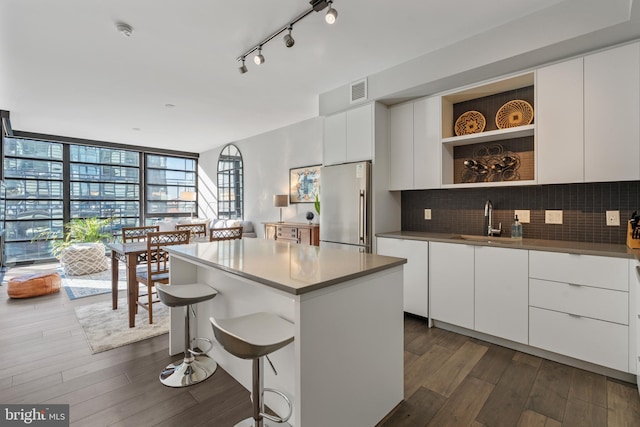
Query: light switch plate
{"x": 524, "y": 216}
{"x": 553, "y": 217}
{"x": 427, "y": 214}
{"x": 613, "y": 218}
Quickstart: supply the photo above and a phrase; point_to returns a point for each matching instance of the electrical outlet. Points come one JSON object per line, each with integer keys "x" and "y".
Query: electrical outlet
{"x": 553, "y": 217}
{"x": 524, "y": 216}
{"x": 613, "y": 218}
{"x": 427, "y": 214}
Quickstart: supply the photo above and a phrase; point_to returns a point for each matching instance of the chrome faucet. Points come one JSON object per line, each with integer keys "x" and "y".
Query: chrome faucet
{"x": 488, "y": 220}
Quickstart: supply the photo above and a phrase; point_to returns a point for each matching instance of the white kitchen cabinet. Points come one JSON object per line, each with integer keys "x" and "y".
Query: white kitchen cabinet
{"x": 501, "y": 293}
{"x": 414, "y": 139}
{"x": 612, "y": 114}
{"x": 335, "y": 139}
{"x": 560, "y": 122}
{"x": 634, "y": 318}
{"x": 595, "y": 341}
{"x": 348, "y": 136}
{"x": 401, "y": 152}
{"x": 579, "y": 307}
{"x": 576, "y": 269}
{"x": 360, "y": 133}
{"x": 415, "y": 271}
{"x": 451, "y": 283}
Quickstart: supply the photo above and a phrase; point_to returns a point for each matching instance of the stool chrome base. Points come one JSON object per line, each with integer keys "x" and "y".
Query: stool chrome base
{"x": 250, "y": 422}
{"x": 186, "y": 373}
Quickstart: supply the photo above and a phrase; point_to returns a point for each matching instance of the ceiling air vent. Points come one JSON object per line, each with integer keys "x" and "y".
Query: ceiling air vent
{"x": 358, "y": 91}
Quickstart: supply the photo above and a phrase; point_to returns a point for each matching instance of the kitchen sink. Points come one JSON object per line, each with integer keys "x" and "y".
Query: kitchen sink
{"x": 484, "y": 239}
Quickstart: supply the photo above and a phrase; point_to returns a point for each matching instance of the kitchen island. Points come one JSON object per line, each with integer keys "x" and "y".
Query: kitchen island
{"x": 345, "y": 366}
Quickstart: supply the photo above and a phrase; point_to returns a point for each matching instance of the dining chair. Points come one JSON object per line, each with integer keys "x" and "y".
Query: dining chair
{"x": 137, "y": 234}
{"x": 228, "y": 233}
{"x": 157, "y": 270}
{"x": 198, "y": 230}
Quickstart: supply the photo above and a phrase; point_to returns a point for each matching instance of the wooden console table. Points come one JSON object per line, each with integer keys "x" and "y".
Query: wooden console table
{"x": 295, "y": 232}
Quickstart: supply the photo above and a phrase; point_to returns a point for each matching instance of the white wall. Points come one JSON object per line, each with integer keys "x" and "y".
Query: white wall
{"x": 267, "y": 160}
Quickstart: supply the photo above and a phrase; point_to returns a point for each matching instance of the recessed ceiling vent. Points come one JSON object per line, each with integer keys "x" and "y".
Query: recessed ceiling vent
{"x": 358, "y": 91}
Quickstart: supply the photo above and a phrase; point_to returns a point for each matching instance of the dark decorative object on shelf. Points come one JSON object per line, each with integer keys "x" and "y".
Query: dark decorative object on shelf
{"x": 310, "y": 216}
{"x": 491, "y": 164}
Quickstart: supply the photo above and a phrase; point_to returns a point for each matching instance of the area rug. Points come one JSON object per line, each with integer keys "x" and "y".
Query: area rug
{"x": 106, "y": 328}
{"x": 91, "y": 284}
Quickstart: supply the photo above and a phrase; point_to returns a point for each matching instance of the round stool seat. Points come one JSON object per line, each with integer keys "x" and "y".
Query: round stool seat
{"x": 181, "y": 295}
{"x": 254, "y": 335}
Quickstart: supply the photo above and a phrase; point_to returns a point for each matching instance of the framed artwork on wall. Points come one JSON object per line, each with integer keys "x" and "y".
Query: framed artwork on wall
{"x": 304, "y": 184}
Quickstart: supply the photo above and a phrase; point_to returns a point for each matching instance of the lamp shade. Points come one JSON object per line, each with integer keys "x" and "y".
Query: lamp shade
{"x": 280, "y": 200}
{"x": 188, "y": 196}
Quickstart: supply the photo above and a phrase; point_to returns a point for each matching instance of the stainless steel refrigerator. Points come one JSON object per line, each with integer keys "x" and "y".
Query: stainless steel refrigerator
{"x": 345, "y": 200}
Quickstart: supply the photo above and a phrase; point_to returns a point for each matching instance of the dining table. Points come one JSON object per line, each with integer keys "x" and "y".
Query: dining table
{"x": 131, "y": 254}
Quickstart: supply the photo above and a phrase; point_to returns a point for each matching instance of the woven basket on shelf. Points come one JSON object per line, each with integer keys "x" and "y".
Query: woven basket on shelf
{"x": 514, "y": 113}
{"x": 470, "y": 122}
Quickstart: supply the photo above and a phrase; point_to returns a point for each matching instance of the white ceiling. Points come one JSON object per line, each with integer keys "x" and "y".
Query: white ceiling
{"x": 66, "y": 70}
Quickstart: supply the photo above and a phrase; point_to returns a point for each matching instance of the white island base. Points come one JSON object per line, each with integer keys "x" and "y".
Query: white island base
{"x": 345, "y": 366}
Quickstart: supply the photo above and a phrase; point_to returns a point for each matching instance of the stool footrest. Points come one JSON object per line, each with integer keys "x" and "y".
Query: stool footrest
{"x": 200, "y": 352}
{"x": 275, "y": 418}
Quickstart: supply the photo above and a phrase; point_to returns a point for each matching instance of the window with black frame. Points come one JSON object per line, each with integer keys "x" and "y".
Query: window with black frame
{"x": 105, "y": 183}
{"x": 230, "y": 183}
{"x": 33, "y": 172}
{"x": 169, "y": 180}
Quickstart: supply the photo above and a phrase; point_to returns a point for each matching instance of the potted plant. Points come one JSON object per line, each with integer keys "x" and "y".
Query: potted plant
{"x": 81, "y": 251}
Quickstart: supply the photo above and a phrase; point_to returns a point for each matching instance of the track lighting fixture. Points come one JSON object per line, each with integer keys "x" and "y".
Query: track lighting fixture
{"x": 259, "y": 59}
{"x": 316, "y": 6}
{"x": 331, "y": 15}
{"x": 242, "y": 68}
{"x": 288, "y": 39}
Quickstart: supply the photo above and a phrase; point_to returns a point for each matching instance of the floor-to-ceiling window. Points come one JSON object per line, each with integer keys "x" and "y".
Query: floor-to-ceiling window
{"x": 105, "y": 183}
{"x": 170, "y": 187}
{"x": 33, "y": 172}
{"x": 48, "y": 183}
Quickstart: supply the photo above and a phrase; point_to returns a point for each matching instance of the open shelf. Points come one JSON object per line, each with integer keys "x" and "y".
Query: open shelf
{"x": 489, "y": 136}
{"x": 518, "y": 142}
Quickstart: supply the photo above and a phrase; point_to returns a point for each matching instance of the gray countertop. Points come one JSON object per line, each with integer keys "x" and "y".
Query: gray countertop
{"x": 599, "y": 249}
{"x": 290, "y": 267}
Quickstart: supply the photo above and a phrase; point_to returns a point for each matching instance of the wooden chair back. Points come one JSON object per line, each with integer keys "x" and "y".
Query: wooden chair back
{"x": 157, "y": 256}
{"x": 157, "y": 270}
{"x": 197, "y": 230}
{"x": 228, "y": 233}
{"x": 137, "y": 234}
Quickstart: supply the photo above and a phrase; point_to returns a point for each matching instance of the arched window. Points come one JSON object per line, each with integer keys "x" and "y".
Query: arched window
{"x": 230, "y": 183}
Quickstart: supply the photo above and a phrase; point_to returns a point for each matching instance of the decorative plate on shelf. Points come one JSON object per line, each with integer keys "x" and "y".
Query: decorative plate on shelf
{"x": 514, "y": 113}
{"x": 470, "y": 122}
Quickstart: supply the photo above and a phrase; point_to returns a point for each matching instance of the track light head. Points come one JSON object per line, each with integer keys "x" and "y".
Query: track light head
{"x": 259, "y": 59}
{"x": 331, "y": 15}
{"x": 243, "y": 68}
{"x": 288, "y": 39}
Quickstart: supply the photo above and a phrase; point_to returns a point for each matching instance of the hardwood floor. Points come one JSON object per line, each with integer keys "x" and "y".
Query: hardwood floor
{"x": 450, "y": 379}
{"x": 454, "y": 380}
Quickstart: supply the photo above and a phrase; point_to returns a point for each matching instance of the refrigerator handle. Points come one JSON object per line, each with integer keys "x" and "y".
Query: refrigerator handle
{"x": 362, "y": 226}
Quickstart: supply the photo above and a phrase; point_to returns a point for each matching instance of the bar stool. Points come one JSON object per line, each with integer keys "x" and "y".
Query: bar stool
{"x": 254, "y": 336}
{"x": 196, "y": 366}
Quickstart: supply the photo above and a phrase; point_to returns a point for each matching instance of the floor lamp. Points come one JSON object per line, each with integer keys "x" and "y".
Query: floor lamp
{"x": 188, "y": 196}
{"x": 280, "y": 201}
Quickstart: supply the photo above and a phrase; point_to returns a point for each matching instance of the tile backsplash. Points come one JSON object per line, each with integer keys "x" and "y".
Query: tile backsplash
{"x": 584, "y": 209}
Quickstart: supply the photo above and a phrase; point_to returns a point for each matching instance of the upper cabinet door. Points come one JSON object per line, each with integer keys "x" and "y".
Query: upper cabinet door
{"x": 360, "y": 133}
{"x": 560, "y": 122}
{"x": 401, "y": 147}
{"x": 335, "y": 139}
{"x": 426, "y": 143}
{"x": 612, "y": 114}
